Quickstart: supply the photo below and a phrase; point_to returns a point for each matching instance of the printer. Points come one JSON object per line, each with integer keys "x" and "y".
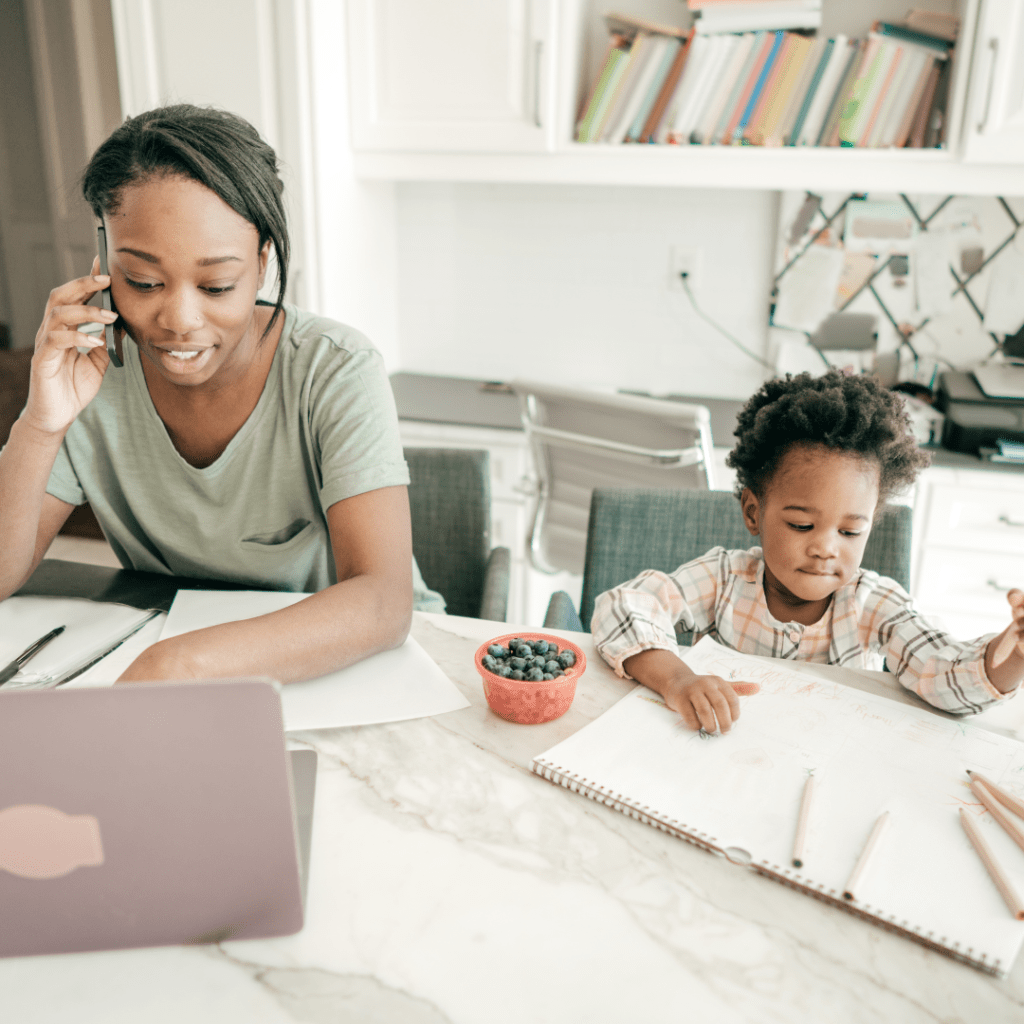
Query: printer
{"x": 973, "y": 419}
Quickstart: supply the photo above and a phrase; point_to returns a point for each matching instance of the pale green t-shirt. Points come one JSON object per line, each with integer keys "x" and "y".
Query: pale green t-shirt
{"x": 324, "y": 429}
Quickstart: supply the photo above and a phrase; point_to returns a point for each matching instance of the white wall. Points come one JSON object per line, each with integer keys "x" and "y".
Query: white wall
{"x": 571, "y": 283}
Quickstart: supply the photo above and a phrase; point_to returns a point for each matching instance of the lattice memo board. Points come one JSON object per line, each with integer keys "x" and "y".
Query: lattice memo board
{"x": 945, "y": 294}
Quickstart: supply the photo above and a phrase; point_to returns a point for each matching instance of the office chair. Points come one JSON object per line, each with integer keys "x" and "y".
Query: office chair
{"x": 450, "y": 505}
{"x": 633, "y": 530}
{"x": 582, "y": 440}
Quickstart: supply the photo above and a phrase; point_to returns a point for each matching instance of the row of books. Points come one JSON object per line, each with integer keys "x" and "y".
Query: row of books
{"x": 767, "y": 88}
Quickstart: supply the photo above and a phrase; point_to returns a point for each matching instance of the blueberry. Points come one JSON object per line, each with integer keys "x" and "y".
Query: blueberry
{"x": 539, "y": 646}
{"x": 558, "y": 672}
{"x": 552, "y": 667}
{"x": 517, "y": 663}
{"x": 539, "y": 661}
{"x": 517, "y": 674}
{"x": 504, "y": 671}
{"x": 497, "y": 651}
{"x": 524, "y": 651}
{"x": 535, "y": 675}
{"x": 567, "y": 659}
{"x": 552, "y": 649}
{"x": 488, "y": 662}
{"x": 548, "y": 675}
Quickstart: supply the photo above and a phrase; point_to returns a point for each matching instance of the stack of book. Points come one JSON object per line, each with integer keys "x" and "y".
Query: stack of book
{"x": 769, "y": 87}
{"x": 751, "y": 15}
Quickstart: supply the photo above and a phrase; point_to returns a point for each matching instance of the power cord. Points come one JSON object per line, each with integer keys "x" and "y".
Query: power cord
{"x": 684, "y": 277}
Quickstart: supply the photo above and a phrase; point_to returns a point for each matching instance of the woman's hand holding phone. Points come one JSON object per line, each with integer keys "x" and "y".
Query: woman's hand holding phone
{"x": 64, "y": 380}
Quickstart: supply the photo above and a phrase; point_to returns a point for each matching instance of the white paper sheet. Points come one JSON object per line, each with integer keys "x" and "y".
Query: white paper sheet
{"x": 807, "y": 291}
{"x": 91, "y": 628}
{"x": 389, "y": 687}
{"x": 869, "y": 754}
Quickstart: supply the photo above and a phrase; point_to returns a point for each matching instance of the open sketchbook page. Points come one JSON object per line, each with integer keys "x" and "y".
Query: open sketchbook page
{"x": 91, "y": 629}
{"x": 869, "y": 754}
{"x": 388, "y": 687}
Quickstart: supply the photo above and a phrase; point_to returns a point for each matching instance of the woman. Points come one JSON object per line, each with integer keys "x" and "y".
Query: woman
{"x": 241, "y": 440}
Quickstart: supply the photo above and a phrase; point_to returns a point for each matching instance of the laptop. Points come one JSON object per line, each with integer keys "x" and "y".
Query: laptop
{"x": 150, "y": 814}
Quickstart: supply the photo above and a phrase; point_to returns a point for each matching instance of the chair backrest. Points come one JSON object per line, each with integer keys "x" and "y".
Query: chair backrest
{"x": 633, "y": 530}
{"x": 584, "y": 440}
{"x": 450, "y": 504}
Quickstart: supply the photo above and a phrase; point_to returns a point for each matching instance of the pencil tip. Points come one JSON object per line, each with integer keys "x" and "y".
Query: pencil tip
{"x": 798, "y": 863}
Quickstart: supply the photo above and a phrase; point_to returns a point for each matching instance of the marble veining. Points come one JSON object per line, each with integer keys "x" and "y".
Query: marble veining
{"x": 450, "y": 884}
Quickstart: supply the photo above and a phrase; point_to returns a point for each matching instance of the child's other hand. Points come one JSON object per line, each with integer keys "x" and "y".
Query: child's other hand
{"x": 708, "y": 702}
{"x": 1016, "y": 599}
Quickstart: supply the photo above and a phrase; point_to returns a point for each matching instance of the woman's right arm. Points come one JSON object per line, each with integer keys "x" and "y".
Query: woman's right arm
{"x": 64, "y": 381}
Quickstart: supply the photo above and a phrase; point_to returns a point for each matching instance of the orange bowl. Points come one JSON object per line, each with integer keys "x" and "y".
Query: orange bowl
{"x": 526, "y": 701}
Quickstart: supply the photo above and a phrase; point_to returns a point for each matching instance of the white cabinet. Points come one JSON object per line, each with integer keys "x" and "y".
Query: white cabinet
{"x": 968, "y": 547}
{"x": 462, "y": 76}
{"x": 994, "y": 127}
{"x": 489, "y": 90}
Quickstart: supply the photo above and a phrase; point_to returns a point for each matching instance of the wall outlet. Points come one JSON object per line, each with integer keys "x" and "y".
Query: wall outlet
{"x": 681, "y": 261}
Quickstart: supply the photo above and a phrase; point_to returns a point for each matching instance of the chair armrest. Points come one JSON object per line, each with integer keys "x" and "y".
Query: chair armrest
{"x": 561, "y": 613}
{"x": 494, "y": 603}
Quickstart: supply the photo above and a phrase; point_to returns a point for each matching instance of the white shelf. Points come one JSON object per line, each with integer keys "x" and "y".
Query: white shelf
{"x": 928, "y": 171}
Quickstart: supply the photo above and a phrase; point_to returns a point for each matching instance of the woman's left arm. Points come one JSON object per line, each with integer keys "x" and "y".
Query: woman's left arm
{"x": 368, "y": 610}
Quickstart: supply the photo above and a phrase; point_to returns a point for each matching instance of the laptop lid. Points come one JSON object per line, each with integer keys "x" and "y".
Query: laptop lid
{"x": 146, "y": 815}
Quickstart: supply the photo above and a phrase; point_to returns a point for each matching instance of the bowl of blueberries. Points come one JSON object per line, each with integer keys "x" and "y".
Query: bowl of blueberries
{"x": 530, "y": 677}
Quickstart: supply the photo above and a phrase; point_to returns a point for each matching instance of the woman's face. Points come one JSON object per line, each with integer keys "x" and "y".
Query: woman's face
{"x": 185, "y": 270}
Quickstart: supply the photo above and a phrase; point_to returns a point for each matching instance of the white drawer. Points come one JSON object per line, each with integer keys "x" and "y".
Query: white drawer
{"x": 989, "y": 519}
{"x": 974, "y": 582}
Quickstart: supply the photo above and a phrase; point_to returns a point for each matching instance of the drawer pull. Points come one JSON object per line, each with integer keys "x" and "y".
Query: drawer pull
{"x": 1007, "y": 521}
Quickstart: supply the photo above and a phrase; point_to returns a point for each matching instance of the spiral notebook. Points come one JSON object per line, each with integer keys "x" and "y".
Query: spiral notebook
{"x": 738, "y": 795}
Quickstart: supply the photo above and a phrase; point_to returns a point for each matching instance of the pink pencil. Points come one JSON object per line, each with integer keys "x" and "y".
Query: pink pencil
{"x": 996, "y": 873}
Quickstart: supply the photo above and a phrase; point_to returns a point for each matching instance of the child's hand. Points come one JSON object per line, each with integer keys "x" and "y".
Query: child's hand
{"x": 1016, "y": 599}
{"x": 707, "y": 702}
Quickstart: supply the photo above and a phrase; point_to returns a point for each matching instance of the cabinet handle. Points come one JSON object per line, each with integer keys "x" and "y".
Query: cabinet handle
{"x": 538, "y": 50}
{"x": 993, "y": 45}
{"x": 1007, "y": 521}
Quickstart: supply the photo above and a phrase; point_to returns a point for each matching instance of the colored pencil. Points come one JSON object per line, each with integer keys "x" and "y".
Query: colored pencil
{"x": 865, "y": 856}
{"x": 988, "y": 798}
{"x": 801, "y": 825}
{"x": 1006, "y": 799}
{"x": 996, "y": 873}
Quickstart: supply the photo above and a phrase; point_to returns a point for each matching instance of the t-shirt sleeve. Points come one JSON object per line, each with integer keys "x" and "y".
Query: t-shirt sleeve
{"x": 355, "y": 427}
{"x": 64, "y": 482}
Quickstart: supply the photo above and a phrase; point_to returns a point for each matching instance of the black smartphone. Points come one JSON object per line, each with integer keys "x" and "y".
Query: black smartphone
{"x": 105, "y": 300}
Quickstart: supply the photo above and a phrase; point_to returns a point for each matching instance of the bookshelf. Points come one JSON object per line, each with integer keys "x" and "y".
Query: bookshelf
{"x": 547, "y": 58}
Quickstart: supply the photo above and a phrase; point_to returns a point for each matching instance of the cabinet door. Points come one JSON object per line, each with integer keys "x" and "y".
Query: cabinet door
{"x": 465, "y": 75}
{"x": 994, "y": 131}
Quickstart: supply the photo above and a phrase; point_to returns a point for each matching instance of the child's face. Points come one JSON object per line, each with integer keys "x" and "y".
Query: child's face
{"x": 813, "y": 521}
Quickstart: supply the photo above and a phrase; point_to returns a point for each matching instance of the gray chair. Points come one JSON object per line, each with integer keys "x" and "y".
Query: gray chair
{"x": 450, "y": 504}
{"x": 581, "y": 440}
{"x": 633, "y": 530}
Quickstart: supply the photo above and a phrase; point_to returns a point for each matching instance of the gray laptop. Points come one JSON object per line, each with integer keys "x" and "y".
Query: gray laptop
{"x": 150, "y": 814}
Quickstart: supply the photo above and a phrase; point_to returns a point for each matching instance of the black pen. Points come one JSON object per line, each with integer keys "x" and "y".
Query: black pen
{"x": 16, "y": 666}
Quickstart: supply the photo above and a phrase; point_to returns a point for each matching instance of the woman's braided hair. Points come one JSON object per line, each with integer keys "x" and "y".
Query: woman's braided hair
{"x": 850, "y": 415}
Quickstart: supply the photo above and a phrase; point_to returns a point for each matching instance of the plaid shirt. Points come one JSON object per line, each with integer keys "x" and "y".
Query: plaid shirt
{"x": 722, "y": 595}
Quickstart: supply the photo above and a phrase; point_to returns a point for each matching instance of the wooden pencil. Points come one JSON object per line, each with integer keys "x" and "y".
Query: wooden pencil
{"x": 1006, "y": 799}
{"x": 982, "y": 791}
{"x": 865, "y": 856}
{"x": 801, "y": 824}
{"x": 996, "y": 873}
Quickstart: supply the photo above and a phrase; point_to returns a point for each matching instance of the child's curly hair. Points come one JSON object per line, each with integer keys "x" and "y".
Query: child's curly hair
{"x": 849, "y": 415}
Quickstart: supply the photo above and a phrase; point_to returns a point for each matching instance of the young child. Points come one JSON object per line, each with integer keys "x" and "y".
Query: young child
{"x": 816, "y": 459}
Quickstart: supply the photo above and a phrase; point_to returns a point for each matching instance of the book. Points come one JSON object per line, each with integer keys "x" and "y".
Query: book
{"x": 692, "y": 93}
{"x": 800, "y": 93}
{"x": 638, "y": 55}
{"x": 825, "y": 92}
{"x": 746, "y": 16}
{"x": 737, "y": 51}
{"x": 934, "y": 23}
{"x": 902, "y": 133}
{"x": 738, "y": 795}
{"x": 882, "y": 93}
{"x": 920, "y": 123}
{"x": 744, "y": 86}
{"x": 92, "y": 629}
{"x": 768, "y": 130}
{"x": 668, "y": 87}
{"x": 855, "y": 111}
{"x": 748, "y": 98}
{"x": 603, "y": 90}
{"x": 899, "y": 98}
{"x": 774, "y": 71}
{"x": 809, "y": 93}
{"x": 829, "y": 135}
{"x": 648, "y": 86}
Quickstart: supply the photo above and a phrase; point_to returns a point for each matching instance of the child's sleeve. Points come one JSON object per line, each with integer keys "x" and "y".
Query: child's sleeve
{"x": 948, "y": 673}
{"x": 644, "y": 613}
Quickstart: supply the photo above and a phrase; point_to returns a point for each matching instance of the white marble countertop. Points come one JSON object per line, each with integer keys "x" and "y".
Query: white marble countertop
{"x": 449, "y": 883}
